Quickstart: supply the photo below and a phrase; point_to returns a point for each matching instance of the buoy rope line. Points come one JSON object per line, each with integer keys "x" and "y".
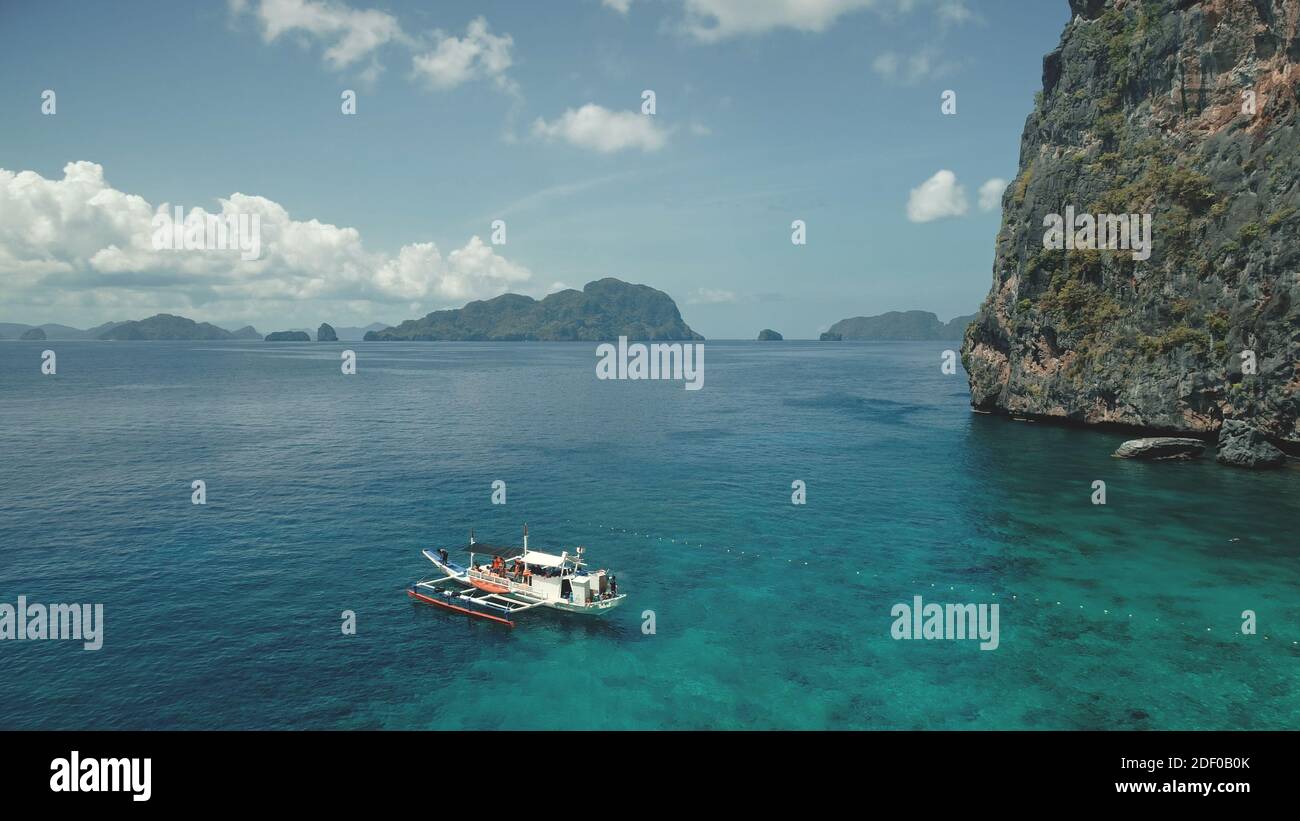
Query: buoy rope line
{"x": 1016, "y": 597}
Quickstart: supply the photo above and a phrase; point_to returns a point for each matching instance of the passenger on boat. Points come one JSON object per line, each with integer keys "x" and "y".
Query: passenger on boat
{"x": 442, "y": 552}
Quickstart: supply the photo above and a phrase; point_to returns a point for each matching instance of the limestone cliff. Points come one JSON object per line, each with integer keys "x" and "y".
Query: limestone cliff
{"x": 1185, "y": 110}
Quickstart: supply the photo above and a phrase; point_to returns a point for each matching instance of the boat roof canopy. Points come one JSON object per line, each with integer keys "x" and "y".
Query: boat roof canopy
{"x": 493, "y": 549}
{"x": 543, "y": 559}
{"x": 534, "y": 557}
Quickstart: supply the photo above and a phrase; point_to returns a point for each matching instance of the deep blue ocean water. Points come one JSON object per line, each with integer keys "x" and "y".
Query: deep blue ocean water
{"x": 322, "y": 489}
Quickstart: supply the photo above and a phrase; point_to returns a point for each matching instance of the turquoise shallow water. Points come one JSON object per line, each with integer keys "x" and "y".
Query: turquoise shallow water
{"x": 323, "y": 488}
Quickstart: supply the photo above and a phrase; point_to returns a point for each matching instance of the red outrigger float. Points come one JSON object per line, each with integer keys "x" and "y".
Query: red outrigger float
{"x": 444, "y": 598}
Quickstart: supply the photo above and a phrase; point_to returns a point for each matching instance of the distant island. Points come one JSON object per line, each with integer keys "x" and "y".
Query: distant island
{"x": 348, "y": 333}
{"x": 15, "y": 330}
{"x": 605, "y": 309}
{"x": 165, "y": 326}
{"x": 898, "y": 326}
{"x": 288, "y": 336}
{"x": 769, "y": 335}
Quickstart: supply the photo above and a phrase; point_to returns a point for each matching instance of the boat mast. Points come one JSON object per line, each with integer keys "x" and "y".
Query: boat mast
{"x": 525, "y": 541}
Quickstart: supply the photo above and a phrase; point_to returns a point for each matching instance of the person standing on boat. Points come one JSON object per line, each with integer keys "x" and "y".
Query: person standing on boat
{"x": 613, "y": 585}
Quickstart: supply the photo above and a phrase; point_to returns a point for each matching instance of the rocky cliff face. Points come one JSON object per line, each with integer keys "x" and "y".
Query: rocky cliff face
{"x": 1185, "y": 110}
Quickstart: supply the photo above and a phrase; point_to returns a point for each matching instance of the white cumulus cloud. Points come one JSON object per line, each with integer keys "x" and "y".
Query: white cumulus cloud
{"x": 713, "y": 20}
{"x": 955, "y": 12}
{"x": 440, "y": 60}
{"x": 79, "y": 243}
{"x": 599, "y": 129}
{"x": 456, "y": 60}
{"x": 938, "y": 197}
{"x": 349, "y": 34}
{"x": 990, "y": 196}
{"x": 925, "y": 64}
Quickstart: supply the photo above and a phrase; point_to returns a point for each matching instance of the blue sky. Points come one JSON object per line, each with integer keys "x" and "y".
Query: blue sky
{"x": 822, "y": 110}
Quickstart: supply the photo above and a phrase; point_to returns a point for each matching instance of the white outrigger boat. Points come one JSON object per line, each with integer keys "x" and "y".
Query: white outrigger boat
{"x": 509, "y": 584}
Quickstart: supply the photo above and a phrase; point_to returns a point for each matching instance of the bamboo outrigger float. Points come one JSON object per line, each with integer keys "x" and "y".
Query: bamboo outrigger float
{"x": 510, "y": 584}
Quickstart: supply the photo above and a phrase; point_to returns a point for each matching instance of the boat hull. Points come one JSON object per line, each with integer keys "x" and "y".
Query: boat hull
{"x": 598, "y": 608}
